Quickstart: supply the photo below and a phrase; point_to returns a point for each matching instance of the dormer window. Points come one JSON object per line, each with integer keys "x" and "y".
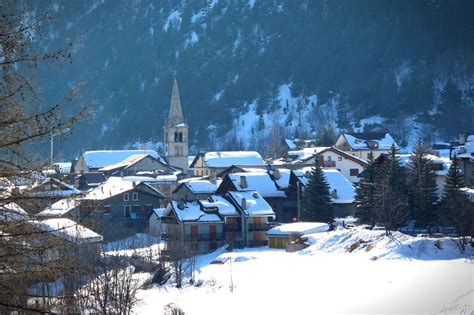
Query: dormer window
{"x": 372, "y": 144}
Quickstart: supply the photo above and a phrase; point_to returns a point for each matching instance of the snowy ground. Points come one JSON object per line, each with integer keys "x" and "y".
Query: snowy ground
{"x": 343, "y": 272}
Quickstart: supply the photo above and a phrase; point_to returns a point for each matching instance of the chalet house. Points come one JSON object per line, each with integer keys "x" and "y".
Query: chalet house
{"x": 464, "y": 153}
{"x": 121, "y": 207}
{"x": 86, "y": 181}
{"x": 362, "y": 143}
{"x": 233, "y": 232}
{"x": 134, "y": 164}
{"x": 262, "y": 182}
{"x": 238, "y": 218}
{"x": 329, "y": 158}
{"x": 212, "y": 163}
{"x": 92, "y": 161}
{"x": 195, "y": 189}
{"x": 44, "y": 192}
{"x": 256, "y": 216}
{"x": 64, "y": 208}
{"x": 189, "y": 228}
{"x": 439, "y": 166}
{"x": 342, "y": 190}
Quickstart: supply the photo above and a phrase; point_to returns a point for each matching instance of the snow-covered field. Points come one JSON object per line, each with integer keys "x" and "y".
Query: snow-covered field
{"x": 344, "y": 272}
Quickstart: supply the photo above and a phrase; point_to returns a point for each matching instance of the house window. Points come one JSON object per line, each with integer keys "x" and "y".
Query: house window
{"x": 126, "y": 197}
{"x": 354, "y": 172}
{"x": 126, "y": 211}
{"x": 180, "y": 137}
{"x": 339, "y": 158}
{"x": 107, "y": 210}
{"x": 207, "y": 172}
{"x": 329, "y": 158}
{"x": 135, "y": 196}
{"x": 176, "y": 136}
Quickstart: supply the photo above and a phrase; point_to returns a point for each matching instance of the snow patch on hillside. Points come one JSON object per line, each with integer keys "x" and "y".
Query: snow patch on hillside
{"x": 191, "y": 40}
{"x": 173, "y": 21}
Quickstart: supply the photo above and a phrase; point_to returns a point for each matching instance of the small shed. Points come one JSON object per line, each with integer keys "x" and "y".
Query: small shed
{"x": 280, "y": 236}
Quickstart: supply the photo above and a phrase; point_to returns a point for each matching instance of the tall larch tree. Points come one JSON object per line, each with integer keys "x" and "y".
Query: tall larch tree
{"x": 316, "y": 203}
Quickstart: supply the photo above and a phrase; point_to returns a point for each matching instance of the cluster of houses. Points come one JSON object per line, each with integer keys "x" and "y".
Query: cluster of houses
{"x": 218, "y": 197}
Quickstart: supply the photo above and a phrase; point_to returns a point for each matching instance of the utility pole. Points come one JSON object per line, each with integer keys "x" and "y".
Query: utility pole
{"x": 298, "y": 198}
{"x": 52, "y": 135}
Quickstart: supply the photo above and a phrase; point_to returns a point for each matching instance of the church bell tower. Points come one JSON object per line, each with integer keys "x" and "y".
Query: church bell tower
{"x": 176, "y": 133}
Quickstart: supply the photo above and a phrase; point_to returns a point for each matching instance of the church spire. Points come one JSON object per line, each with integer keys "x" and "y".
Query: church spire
{"x": 175, "y": 115}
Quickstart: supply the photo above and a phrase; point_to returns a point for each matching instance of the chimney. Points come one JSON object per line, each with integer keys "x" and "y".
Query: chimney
{"x": 334, "y": 193}
{"x": 244, "y": 204}
{"x": 181, "y": 204}
{"x": 276, "y": 173}
{"x": 243, "y": 182}
{"x": 255, "y": 195}
{"x": 213, "y": 179}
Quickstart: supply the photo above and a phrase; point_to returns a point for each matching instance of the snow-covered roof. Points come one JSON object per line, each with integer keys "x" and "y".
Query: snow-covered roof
{"x": 432, "y": 159}
{"x": 61, "y": 207}
{"x": 344, "y": 188}
{"x": 255, "y": 205}
{"x": 360, "y": 141}
{"x": 12, "y": 212}
{"x": 192, "y": 211}
{"x": 113, "y": 186}
{"x": 69, "y": 230}
{"x": 99, "y": 159}
{"x": 465, "y": 151}
{"x": 284, "y": 177}
{"x": 159, "y": 212}
{"x": 469, "y": 192}
{"x": 259, "y": 181}
{"x": 224, "y": 207}
{"x": 294, "y": 143}
{"x": 132, "y": 159}
{"x": 300, "y": 228}
{"x": 229, "y": 158}
{"x": 202, "y": 186}
{"x": 306, "y": 153}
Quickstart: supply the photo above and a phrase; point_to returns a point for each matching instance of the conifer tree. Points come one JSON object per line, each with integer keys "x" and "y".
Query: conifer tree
{"x": 455, "y": 207}
{"x": 316, "y": 203}
{"x": 367, "y": 192}
{"x": 393, "y": 204}
{"x": 422, "y": 185}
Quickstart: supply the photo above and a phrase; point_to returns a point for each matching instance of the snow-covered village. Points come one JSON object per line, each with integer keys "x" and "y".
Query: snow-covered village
{"x": 299, "y": 202}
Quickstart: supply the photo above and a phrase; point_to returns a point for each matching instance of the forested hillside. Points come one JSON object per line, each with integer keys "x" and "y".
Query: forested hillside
{"x": 315, "y": 63}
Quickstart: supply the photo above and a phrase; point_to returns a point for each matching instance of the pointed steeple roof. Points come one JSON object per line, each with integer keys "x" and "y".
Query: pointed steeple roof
{"x": 175, "y": 115}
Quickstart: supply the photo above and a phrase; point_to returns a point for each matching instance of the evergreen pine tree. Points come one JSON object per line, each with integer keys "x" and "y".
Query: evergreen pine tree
{"x": 455, "y": 208}
{"x": 316, "y": 203}
{"x": 422, "y": 185}
{"x": 367, "y": 191}
{"x": 393, "y": 204}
